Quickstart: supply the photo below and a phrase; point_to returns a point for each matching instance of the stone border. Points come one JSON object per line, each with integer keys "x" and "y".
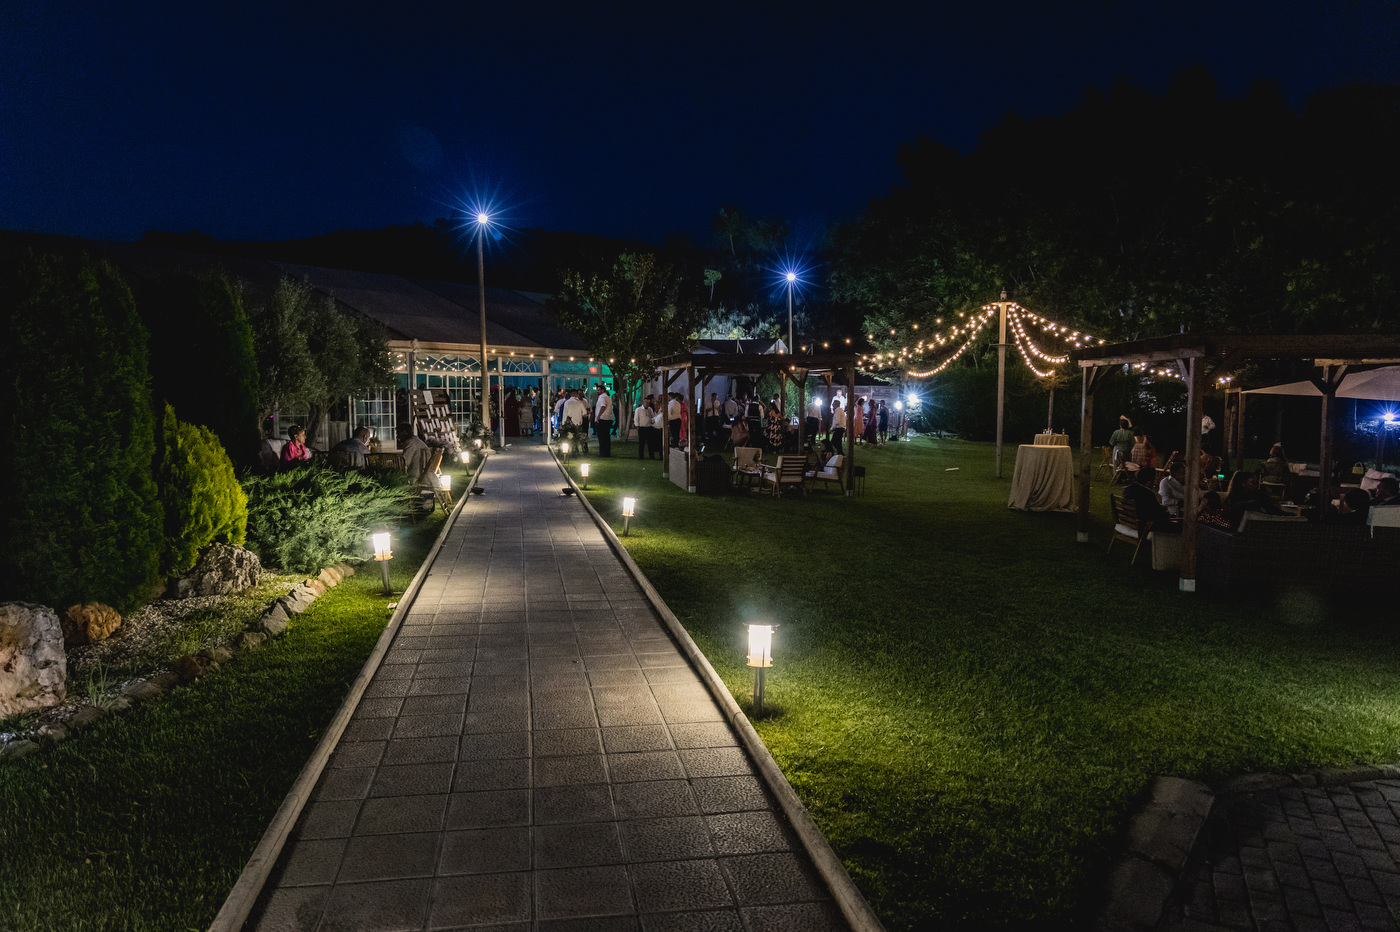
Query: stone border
{"x": 239, "y": 903}
{"x": 848, "y": 897}
{"x": 1162, "y": 834}
{"x": 270, "y": 624}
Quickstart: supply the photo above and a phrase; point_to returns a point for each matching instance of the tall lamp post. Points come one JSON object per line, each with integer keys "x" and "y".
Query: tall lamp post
{"x": 482, "y": 220}
{"x": 791, "y": 280}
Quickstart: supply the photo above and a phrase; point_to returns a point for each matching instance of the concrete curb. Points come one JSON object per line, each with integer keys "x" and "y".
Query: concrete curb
{"x": 843, "y": 890}
{"x": 244, "y": 895}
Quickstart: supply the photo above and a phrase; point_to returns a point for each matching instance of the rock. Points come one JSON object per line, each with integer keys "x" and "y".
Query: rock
{"x": 14, "y": 750}
{"x": 275, "y": 613}
{"x": 217, "y": 654}
{"x": 143, "y": 691}
{"x": 84, "y": 717}
{"x": 88, "y": 624}
{"x": 250, "y": 639}
{"x": 345, "y": 570}
{"x": 221, "y": 570}
{"x": 192, "y": 667}
{"x": 329, "y": 577}
{"x": 272, "y": 627}
{"x": 316, "y": 586}
{"x": 119, "y": 704}
{"x": 297, "y": 601}
{"x": 54, "y": 732}
{"x": 167, "y": 680}
{"x": 33, "y": 666}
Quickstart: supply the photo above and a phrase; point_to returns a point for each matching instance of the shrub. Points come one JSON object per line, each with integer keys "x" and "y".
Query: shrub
{"x": 82, "y": 521}
{"x": 203, "y": 499}
{"x": 313, "y": 516}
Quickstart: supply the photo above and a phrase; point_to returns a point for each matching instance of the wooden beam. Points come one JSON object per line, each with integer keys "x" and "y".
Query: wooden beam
{"x": 1086, "y": 451}
{"x": 1328, "y": 384}
{"x": 667, "y": 379}
{"x": 850, "y": 427}
{"x": 1195, "y": 410}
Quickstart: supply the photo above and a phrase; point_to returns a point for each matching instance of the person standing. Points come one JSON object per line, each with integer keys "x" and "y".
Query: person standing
{"x": 714, "y": 412}
{"x": 731, "y": 409}
{"x": 642, "y": 419}
{"x": 838, "y": 424}
{"x": 573, "y": 411}
{"x": 673, "y": 417}
{"x": 1122, "y": 441}
{"x": 603, "y": 421}
{"x": 814, "y": 419}
{"x": 883, "y": 417}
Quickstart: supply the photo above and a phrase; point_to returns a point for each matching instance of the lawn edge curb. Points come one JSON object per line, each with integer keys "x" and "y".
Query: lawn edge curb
{"x": 239, "y": 903}
{"x": 849, "y": 899}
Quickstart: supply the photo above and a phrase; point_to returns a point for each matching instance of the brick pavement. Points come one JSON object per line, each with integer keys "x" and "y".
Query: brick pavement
{"x": 536, "y": 753}
{"x": 1323, "y": 858}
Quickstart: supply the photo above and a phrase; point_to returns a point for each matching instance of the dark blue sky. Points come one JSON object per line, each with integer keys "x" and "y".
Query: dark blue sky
{"x": 272, "y": 121}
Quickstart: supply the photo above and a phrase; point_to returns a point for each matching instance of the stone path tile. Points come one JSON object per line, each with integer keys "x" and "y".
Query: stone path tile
{"x": 1295, "y": 857}
{"x": 535, "y": 753}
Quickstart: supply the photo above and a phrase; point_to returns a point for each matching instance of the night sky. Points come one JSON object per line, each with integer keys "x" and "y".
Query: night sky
{"x": 273, "y": 121}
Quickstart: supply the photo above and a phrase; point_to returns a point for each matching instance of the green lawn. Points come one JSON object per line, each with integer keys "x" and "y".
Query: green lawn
{"x": 146, "y": 820}
{"x": 968, "y": 701}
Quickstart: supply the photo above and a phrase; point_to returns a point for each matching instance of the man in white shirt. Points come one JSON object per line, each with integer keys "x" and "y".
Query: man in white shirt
{"x": 731, "y": 409}
{"x": 838, "y": 424}
{"x": 673, "y": 416}
{"x": 603, "y": 421}
{"x": 573, "y": 411}
{"x": 642, "y": 418}
{"x": 1172, "y": 489}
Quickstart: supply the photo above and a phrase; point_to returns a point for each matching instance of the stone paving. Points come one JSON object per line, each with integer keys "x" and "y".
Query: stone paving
{"x": 1295, "y": 857}
{"x": 536, "y": 753}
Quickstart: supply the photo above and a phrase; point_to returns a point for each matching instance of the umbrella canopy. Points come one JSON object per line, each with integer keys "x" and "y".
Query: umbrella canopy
{"x": 1381, "y": 384}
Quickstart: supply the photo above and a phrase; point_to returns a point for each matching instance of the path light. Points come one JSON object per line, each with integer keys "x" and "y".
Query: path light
{"x": 445, "y": 481}
{"x": 380, "y": 542}
{"x": 476, "y": 442}
{"x": 564, "y": 449}
{"x": 583, "y": 471}
{"x": 629, "y": 508}
{"x": 465, "y": 456}
{"x": 760, "y": 658}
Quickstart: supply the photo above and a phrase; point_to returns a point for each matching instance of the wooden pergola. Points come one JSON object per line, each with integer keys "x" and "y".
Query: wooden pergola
{"x": 1201, "y": 360}
{"x": 701, "y": 367}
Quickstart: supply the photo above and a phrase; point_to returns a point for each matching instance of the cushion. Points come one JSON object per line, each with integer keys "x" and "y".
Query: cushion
{"x": 1126, "y": 531}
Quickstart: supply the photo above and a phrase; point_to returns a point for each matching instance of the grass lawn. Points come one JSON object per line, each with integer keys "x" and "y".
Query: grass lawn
{"x": 968, "y": 701}
{"x": 146, "y": 820}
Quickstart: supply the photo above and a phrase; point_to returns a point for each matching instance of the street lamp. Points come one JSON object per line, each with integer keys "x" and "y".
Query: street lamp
{"x": 483, "y": 219}
{"x": 791, "y": 280}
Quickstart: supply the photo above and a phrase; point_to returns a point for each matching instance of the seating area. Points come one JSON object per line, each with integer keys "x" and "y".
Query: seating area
{"x": 785, "y": 472}
{"x": 1301, "y": 552}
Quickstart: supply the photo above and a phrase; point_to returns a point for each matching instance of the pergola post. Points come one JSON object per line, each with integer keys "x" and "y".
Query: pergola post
{"x": 850, "y": 429}
{"x": 691, "y": 382}
{"x": 1329, "y": 383}
{"x": 546, "y": 409}
{"x": 1086, "y": 450}
{"x": 667, "y": 378}
{"x": 1195, "y": 371}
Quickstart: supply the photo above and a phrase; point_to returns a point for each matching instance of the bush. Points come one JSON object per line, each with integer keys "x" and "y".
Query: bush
{"x": 313, "y": 516}
{"x": 82, "y": 521}
{"x": 202, "y": 497}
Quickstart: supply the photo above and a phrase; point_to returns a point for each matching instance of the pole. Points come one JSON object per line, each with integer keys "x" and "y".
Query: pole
{"x": 1001, "y": 378}
{"x": 789, "y": 317}
{"x": 757, "y": 691}
{"x": 481, "y": 291}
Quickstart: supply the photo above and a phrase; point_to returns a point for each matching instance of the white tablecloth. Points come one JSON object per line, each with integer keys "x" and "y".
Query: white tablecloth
{"x": 1044, "y": 479}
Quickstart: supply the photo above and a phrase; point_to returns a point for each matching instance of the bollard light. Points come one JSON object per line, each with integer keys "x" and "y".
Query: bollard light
{"x": 583, "y": 471}
{"x": 629, "y": 508}
{"x": 445, "y": 481}
{"x": 465, "y": 456}
{"x": 760, "y": 658}
{"x": 380, "y": 542}
{"x": 564, "y": 447}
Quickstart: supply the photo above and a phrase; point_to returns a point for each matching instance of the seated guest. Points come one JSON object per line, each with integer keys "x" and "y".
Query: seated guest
{"x": 1276, "y": 468}
{"x": 1145, "y": 502}
{"x": 295, "y": 452}
{"x": 416, "y": 455}
{"x": 1172, "y": 489}
{"x": 1244, "y": 495}
{"x": 1212, "y": 514}
{"x": 354, "y": 448}
{"x": 1387, "y": 493}
{"x": 1352, "y": 508}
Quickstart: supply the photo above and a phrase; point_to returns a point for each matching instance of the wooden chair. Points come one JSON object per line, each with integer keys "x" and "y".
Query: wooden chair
{"x": 1126, "y": 525}
{"x": 1107, "y": 463}
{"x": 748, "y": 465}
{"x": 829, "y": 473}
{"x": 790, "y": 470}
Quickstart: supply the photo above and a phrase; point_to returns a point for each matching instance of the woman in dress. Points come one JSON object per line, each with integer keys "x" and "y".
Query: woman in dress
{"x": 871, "y": 421}
{"x": 776, "y": 431}
{"x": 685, "y": 420}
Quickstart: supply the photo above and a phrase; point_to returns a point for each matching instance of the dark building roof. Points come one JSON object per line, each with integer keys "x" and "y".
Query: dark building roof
{"x": 410, "y": 309}
{"x": 756, "y": 347}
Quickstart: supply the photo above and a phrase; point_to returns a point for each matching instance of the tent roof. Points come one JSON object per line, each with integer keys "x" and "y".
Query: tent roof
{"x": 1381, "y": 384}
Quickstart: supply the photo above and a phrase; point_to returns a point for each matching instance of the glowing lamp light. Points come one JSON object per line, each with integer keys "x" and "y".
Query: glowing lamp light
{"x": 760, "y": 645}
{"x": 477, "y": 443}
{"x": 629, "y": 508}
{"x": 465, "y": 456}
{"x": 380, "y": 543}
{"x": 483, "y": 218}
{"x": 564, "y": 447}
{"x": 1391, "y": 418}
{"x": 760, "y": 658}
{"x": 791, "y": 277}
{"x": 899, "y": 406}
{"x": 445, "y": 481}
{"x": 583, "y": 471}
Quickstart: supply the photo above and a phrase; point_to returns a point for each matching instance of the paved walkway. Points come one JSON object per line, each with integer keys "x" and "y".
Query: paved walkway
{"x": 536, "y": 753}
{"x": 1295, "y": 857}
